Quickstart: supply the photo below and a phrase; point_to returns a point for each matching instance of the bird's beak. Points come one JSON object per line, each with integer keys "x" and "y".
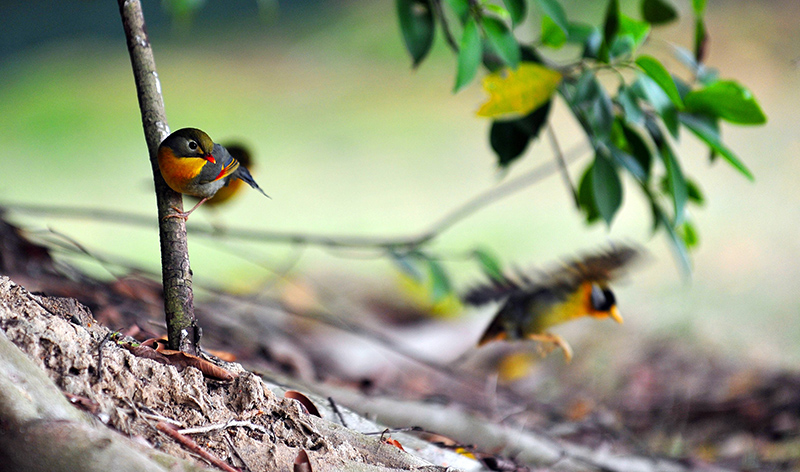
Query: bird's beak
{"x": 210, "y": 159}
{"x": 614, "y": 314}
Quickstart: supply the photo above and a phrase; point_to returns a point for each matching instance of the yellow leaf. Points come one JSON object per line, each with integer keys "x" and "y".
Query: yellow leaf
{"x": 518, "y": 92}
{"x": 419, "y": 294}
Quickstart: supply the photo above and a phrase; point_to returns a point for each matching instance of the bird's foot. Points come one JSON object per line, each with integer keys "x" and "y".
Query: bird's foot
{"x": 552, "y": 342}
{"x": 184, "y": 215}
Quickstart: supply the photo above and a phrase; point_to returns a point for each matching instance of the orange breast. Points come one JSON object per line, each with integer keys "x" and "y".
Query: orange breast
{"x": 178, "y": 172}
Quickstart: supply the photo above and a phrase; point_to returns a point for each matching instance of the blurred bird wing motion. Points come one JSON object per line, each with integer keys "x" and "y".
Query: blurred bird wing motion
{"x": 599, "y": 267}
{"x": 531, "y": 306}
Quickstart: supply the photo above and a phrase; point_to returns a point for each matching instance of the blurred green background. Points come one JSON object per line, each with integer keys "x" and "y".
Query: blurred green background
{"x": 349, "y": 140}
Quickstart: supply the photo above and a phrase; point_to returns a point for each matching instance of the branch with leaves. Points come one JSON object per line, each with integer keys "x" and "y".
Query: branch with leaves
{"x": 633, "y": 129}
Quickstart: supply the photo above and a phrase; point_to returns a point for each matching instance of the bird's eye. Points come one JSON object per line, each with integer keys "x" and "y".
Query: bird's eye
{"x": 192, "y": 145}
{"x": 602, "y": 299}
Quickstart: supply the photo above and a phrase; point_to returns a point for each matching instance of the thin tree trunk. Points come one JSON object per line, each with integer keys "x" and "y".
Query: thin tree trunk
{"x": 176, "y": 273}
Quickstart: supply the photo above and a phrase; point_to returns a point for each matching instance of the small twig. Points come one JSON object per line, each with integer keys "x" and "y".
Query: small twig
{"x": 562, "y": 165}
{"x": 448, "y": 35}
{"x": 192, "y": 446}
{"x": 385, "y": 431}
{"x": 218, "y": 426}
{"x": 157, "y": 417}
{"x": 336, "y": 411}
{"x": 150, "y": 415}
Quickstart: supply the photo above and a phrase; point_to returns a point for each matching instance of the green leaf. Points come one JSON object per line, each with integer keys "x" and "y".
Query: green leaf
{"x": 607, "y": 188}
{"x": 658, "y": 12}
{"x": 627, "y": 99}
{"x": 683, "y": 87}
{"x": 630, "y": 36}
{"x": 705, "y": 129}
{"x": 532, "y": 123}
{"x": 517, "y": 9}
{"x": 656, "y": 71}
{"x": 586, "y": 196}
{"x": 635, "y": 29}
{"x": 676, "y": 181}
{"x": 678, "y": 245}
{"x": 529, "y": 54}
{"x": 460, "y": 8}
{"x": 694, "y": 192}
{"x": 498, "y": 10}
{"x": 502, "y": 41}
{"x": 417, "y": 26}
{"x": 630, "y": 163}
{"x": 510, "y": 138}
{"x": 593, "y": 47}
{"x": 593, "y": 106}
{"x": 586, "y": 89}
{"x": 579, "y": 33}
{"x": 611, "y": 24}
{"x": 489, "y": 264}
{"x": 655, "y": 132}
{"x": 553, "y": 10}
{"x": 638, "y": 148}
{"x": 728, "y": 100}
{"x": 700, "y": 40}
{"x": 469, "y": 55}
{"x": 648, "y": 89}
{"x": 508, "y": 141}
{"x": 552, "y": 35}
{"x": 699, "y": 7}
{"x": 620, "y": 151}
{"x": 688, "y": 234}
{"x": 601, "y": 114}
{"x": 440, "y": 282}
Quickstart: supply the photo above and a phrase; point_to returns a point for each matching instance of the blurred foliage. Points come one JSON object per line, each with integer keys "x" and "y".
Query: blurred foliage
{"x": 632, "y": 125}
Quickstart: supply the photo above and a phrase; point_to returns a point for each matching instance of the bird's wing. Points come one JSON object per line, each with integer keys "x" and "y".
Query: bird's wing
{"x": 225, "y": 165}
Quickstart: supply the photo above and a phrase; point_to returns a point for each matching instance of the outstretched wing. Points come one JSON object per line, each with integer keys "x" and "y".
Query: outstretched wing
{"x": 599, "y": 267}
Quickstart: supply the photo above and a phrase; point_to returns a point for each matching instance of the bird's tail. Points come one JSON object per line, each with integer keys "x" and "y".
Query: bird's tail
{"x": 244, "y": 174}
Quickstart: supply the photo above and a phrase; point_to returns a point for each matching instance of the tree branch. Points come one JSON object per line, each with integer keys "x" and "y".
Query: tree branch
{"x": 562, "y": 165}
{"x": 175, "y": 269}
{"x": 439, "y": 226}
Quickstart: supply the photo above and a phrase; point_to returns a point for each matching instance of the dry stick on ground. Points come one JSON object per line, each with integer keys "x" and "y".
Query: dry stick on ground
{"x": 176, "y": 274}
{"x": 191, "y": 445}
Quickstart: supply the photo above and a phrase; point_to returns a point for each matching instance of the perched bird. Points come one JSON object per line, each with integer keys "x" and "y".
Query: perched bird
{"x": 576, "y": 289}
{"x": 192, "y": 164}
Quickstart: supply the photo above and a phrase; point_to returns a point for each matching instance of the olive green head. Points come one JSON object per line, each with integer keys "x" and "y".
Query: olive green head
{"x": 189, "y": 142}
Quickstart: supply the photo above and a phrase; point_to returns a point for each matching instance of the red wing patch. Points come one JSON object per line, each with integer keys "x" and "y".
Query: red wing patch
{"x": 228, "y": 170}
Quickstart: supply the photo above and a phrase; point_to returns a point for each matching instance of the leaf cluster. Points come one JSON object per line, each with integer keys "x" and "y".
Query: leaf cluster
{"x": 631, "y": 108}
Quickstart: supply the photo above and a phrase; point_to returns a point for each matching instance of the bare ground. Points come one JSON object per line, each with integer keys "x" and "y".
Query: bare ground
{"x": 665, "y": 404}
